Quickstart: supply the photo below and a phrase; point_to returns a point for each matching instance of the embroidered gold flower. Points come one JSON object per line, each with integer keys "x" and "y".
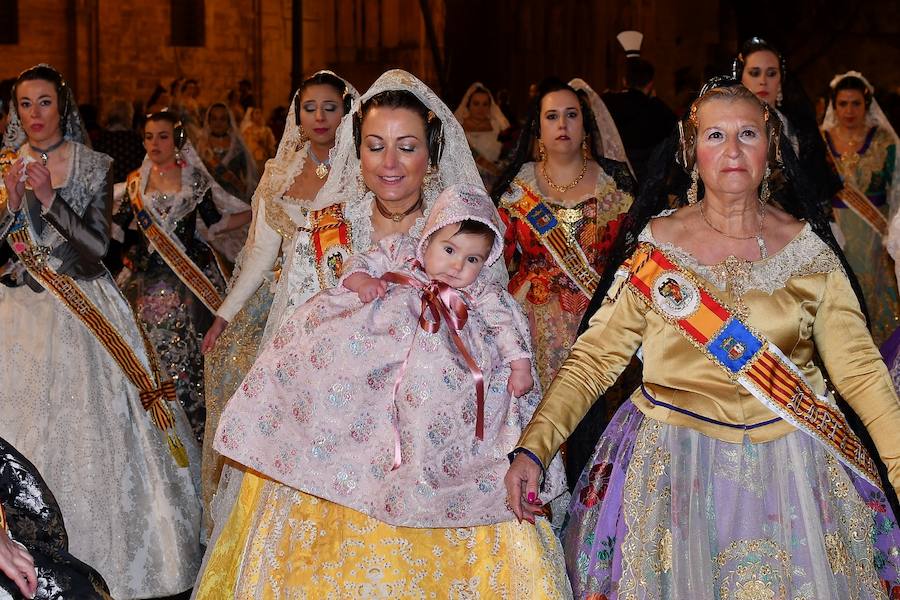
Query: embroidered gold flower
{"x": 664, "y": 550}
{"x": 754, "y": 590}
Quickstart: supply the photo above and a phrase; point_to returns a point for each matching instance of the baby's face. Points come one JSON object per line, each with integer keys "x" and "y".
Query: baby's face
{"x": 456, "y": 258}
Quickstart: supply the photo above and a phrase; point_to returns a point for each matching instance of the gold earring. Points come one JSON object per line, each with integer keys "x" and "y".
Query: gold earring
{"x": 303, "y": 137}
{"x": 692, "y": 191}
{"x": 541, "y": 151}
{"x": 764, "y": 188}
{"x": 585, "y": 149}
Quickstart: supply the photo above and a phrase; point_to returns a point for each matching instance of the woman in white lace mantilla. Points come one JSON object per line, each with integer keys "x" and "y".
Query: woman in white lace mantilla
{"x": 378, "y": 186}
{"x": 483, "y": 121}
{"x": 280, "y": 207}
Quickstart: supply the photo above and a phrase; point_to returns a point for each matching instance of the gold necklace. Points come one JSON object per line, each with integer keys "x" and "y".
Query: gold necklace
{"x": 562, "y": 189}
{"x": 397, "y": 217}
{"x": 763, "y": 251}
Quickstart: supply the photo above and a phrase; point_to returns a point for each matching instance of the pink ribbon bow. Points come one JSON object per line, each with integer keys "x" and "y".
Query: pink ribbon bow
{"x": 442, "y": 301}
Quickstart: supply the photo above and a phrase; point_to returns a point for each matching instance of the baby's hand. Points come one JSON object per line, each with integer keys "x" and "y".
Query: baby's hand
{"x": 367, "y": 287}
{"x": 520, "y": 380}
{"x": 371, "y": 289}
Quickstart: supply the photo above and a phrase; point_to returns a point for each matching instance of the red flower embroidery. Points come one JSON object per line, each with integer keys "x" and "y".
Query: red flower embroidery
{"x": 598, "y": 482}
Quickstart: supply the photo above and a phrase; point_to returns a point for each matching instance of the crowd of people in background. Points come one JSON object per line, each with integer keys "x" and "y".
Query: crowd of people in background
{"x": 687, "y": 297}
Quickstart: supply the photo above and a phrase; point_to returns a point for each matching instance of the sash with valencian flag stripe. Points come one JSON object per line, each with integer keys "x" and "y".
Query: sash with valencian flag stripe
{"x": 541, "y": 219}
{"x": 170, "y": 251}
{"x": 155, "y": 392}
{"x": 745, "y": 355}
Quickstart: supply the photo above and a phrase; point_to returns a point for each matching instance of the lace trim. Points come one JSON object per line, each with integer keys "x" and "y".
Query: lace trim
{"x": 806, "y": 254}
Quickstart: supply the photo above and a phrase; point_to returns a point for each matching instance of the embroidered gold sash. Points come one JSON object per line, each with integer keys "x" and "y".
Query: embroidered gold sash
{"x": 745, "y": 355}
{"x": 566, "y": 251}
{"x": 331, "y": 243}
{"x": 860, "y": 204}
{"x": 154, "y": 391}
{"x": 171, "y": 251}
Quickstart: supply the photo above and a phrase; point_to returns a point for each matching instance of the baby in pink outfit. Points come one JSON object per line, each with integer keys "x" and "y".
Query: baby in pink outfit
{"x": 400, "y": 392}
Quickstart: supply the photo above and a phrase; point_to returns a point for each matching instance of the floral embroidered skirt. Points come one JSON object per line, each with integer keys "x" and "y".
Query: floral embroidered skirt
{"x": 282, "y": 543}
{"x": 665, "y": 512}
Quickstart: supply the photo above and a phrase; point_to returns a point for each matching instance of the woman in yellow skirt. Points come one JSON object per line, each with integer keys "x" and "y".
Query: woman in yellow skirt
{"x": 395, "y": 152}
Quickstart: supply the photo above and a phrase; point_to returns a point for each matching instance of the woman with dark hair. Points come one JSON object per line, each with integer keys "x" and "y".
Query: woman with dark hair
{"x": 172, "y": 277}
{"x": 395, "y": 152}
{"x": 289, "y": 184}
{"x": 763, "y": 70}
{"x": 561, "y": 214}
{"x": 864, "y": 148}
{"x": 83, "y": 395}
{"x": 731, "y": 472}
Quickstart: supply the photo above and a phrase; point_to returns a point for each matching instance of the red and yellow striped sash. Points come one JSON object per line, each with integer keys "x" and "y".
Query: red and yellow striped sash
{"x": 154, "y": 391}
{"x": 567, "y": 253}
{"x": 331, "y": 243}
{"x": 188, "y": 272}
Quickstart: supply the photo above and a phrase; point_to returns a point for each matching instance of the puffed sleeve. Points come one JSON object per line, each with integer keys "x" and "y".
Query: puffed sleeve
{"x": 857, "y": 370}
{"x": 506, "y": 321}
{"x": 87, "y": 234}
{"x": 598, "y": 357}
{"x": 258, "y": 260}
{"x": 390, "y": 254}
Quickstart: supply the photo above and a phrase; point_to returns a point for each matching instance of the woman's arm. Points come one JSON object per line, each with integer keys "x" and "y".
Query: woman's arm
{"x": 598, "y": 357}
{"x": 857, "y": 370}
{"x": 87, "y": 234}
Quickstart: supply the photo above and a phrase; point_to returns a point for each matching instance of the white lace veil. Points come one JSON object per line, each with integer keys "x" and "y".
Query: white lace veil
{"x": 345, "y": 184}
{"x": 499, "y": 122}
{"x": 281, "y": 170}
{"x": 610, "y": 141}
{"x": 875, "y": 117}
{"x": 74, "y": 129}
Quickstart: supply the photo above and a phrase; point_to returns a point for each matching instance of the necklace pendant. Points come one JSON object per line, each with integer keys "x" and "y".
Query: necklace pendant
{"x": 44, "y": 158}
{"x": 396, "y": 218}
{"x": 322, "y": 171}
{"x": 763, "y": 251}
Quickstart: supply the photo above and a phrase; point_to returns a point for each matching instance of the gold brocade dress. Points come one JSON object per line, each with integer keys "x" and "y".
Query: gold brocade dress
{"x": 699, "y": 490}
{"x": 301, "y": 546}
{"x": 246, "y": 308}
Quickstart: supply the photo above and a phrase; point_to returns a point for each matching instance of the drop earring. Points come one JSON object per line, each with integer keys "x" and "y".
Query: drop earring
{"x": 692, "y": 191}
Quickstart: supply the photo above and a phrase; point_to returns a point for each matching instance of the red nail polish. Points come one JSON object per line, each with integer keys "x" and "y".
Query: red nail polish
{"x": 531, "y": 497}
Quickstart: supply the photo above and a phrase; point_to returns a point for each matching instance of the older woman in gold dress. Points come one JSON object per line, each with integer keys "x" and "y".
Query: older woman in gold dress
{"x": 730, "y": 472}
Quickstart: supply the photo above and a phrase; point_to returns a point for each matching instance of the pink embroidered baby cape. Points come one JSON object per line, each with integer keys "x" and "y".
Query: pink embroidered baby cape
{"x": 316, "y": 410}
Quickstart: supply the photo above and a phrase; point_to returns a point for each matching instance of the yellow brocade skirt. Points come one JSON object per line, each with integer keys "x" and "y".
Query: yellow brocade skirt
{"x": 283, "y": 543}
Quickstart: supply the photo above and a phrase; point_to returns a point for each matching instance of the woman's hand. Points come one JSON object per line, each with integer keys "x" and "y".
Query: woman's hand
{"x": 522, "y": 481}
{"x": 215, "y": 330}
{"x": 39, "y": 180}
{"x": 17, "y": 564}
{"x": 15, "y": 185}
